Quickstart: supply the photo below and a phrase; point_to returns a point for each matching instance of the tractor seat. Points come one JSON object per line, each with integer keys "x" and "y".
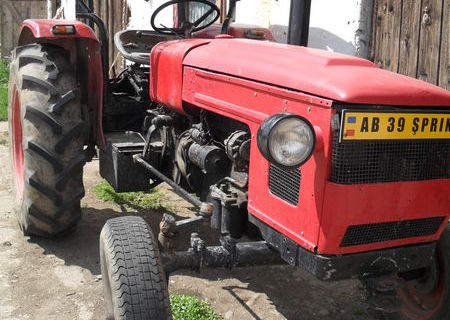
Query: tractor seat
{"x": 135, "y": 45}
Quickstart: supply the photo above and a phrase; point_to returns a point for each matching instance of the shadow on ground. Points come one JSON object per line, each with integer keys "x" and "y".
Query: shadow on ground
{"x": 81, "y": 247}
{"x": 289, "y": 289}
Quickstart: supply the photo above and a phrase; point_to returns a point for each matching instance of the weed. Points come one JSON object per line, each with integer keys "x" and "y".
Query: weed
{"x": 190, "y": 307}
{"x": 359, "y": 312}
{"x": 4, "y": 77}
{"x": 153, "y": 199}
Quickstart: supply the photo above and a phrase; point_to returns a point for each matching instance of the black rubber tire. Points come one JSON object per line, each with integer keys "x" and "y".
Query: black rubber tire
{"x": 53, "y": 139}
{"x": 134, "y": 282}
{"x": 443, "y": 309}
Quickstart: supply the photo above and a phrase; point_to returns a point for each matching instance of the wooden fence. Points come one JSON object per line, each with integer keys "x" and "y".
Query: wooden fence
{"x": 115, "y": 15}
{"x": 12, "y": 13}
{"x": 412, "y": 37}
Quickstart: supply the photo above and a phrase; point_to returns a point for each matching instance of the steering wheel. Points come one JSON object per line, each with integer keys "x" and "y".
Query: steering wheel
{"x": 187, "y": 27}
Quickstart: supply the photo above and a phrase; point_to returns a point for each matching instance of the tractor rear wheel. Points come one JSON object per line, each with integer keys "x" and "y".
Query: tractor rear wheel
{"x": 46, "y": 140}
{"x": 134, "y": 282}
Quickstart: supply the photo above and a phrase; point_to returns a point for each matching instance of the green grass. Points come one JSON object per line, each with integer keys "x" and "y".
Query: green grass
{"x": 4, "y": 139}
{"x": 153, "y": 199}
{"x": 191, "y": 308}
{"x": 4, "y": 77}
{"x": 359, "y": 312}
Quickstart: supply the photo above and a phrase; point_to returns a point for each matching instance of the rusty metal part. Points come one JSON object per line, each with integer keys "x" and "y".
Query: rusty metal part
{"x": 200, "y": 256}
{"x": 382, "y": 292}
{"x": 168, "y": 232}
{"x": 176, "y": 188}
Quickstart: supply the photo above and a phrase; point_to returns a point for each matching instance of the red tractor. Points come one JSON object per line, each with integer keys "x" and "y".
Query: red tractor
{"x": 317, "y": 159}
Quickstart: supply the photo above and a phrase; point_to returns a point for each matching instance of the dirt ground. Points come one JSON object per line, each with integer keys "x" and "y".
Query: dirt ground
{"x": 60, "y": 279}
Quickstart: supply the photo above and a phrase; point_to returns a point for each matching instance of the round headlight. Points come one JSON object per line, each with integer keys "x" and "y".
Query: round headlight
{"x": 286, "y": 139}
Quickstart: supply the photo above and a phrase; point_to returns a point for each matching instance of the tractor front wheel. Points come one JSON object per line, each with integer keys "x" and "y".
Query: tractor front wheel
{"x": 46, "y": 132}
{"x": 134, "y": 282}
{"x": 424, "y": 294}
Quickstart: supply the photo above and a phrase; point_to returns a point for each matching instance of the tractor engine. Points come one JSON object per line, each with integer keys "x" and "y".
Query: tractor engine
{"x": 197, "y": 154}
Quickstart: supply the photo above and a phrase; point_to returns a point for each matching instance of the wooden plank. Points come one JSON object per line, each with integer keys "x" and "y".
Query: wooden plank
{"x": 444, "y": 71}
{"x": 97, "y": 10}
{"x": 374, "y": 33}
{"x": 430, "y": 41}
{"x": 10, "y": 22}
{"x": 409, "y": 37}
{"x": 117, "y": 26}
{"x": 111, "y": 16}
{"x": 387, "y": 34}
{"x": 7, "y": 42}
{"x": 12, "y": 15}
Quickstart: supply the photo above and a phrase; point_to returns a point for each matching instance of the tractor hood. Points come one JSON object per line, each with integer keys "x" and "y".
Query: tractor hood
{"x": 321, "y": 73}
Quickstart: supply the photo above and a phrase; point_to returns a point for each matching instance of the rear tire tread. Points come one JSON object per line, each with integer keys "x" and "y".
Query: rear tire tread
{"x": 28, "y": 82}
{"x": 46, "y": 155}
{"x": 70, "y": 171}
{"x": 75, "y": 131}
{"x": 53, "y": 139}
{"x": 66, "y": 98}
{"x": 35, "y": 115}
{"x": 40, "y": 187}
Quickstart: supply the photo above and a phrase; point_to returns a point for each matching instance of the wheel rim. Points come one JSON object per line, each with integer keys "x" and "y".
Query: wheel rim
{"x": 423, "y": 297}
{"x": 17, "y": 146}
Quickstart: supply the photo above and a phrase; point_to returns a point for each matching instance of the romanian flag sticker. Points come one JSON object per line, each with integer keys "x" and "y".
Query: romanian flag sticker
{"x": 387, "y": 125}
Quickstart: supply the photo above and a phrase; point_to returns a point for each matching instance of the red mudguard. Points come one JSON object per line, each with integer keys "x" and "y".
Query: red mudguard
{"x": 40, "y": 30}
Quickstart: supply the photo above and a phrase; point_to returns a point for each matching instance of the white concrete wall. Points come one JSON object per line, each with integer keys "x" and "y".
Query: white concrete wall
{"x": 141, "y": 12}
{"x": 333, "y": 25}
{"x": 68, "y": 7}
{"x": 265, "y": 13}
{"x": 340, "y": 26}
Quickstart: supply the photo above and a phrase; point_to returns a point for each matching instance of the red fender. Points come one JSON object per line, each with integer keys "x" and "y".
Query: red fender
{"x": 42, "y": 28}
{"x": 40, "y": 31}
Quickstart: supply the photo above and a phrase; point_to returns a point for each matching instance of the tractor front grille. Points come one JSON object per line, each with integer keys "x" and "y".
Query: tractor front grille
{"x": 389, "y": 231}
{"x": 357, "y": 162}
{"x": 285, "y": 184}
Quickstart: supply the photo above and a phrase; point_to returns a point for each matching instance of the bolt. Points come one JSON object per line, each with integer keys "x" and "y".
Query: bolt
{"x": 200, "y": 245}
{"x": 194, "y": 238}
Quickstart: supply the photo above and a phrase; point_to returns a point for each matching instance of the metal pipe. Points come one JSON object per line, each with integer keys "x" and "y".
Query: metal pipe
{"x": 298, "y": 30}
{"x": 229, "y": 17}
{"x": 179, "y": 190}
{"x": 189, "y": 221}
{"x": 245, "y": 254}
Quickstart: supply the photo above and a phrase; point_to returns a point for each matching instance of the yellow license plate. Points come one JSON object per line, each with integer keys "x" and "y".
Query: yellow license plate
{"x": 368, "y": 125}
